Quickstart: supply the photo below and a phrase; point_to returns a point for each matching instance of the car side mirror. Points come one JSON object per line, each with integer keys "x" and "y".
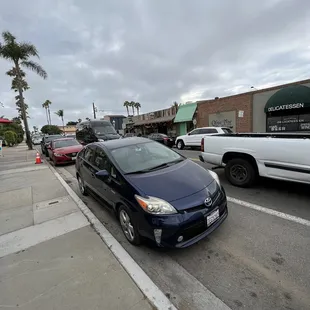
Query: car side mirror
{"x": 103, "y": 174}
{"x": 189, "y": 134}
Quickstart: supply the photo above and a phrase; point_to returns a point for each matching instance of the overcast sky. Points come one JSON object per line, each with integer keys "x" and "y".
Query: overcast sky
{"x": 154, "y": 52}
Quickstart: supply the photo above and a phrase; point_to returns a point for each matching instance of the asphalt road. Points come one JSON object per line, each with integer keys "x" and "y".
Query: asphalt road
{"x": 258, "y": 259}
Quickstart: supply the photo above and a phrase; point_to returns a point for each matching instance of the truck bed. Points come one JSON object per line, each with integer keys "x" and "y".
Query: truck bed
{"x": 301, "y": 135}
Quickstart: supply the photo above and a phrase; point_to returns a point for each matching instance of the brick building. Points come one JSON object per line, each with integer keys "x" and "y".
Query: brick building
{"x": 280, "y": 108}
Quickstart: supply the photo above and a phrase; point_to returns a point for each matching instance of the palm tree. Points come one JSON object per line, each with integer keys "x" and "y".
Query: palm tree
{"x": 138, "y": 107}
{"x": 132, "y": 105}
{"x": 46, "y": 105}
{"x": 79, "y": 120}
{"x": 60, "y": 113}
{"x": 19, "y": 53}
{"x": 127, "y": 104}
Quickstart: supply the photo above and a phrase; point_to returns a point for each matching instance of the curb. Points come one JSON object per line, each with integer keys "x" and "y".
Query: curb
{"x": 155, "y": 296}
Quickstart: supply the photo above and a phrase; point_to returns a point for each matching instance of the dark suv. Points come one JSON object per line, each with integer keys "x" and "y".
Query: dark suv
{"x": 95, "y": 131}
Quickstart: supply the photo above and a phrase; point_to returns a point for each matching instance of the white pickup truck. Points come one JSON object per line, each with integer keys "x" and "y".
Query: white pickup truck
{"x": 247, "y": 156}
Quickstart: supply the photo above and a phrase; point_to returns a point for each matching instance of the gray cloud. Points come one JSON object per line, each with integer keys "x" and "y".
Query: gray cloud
{"x": 153, "y": 52}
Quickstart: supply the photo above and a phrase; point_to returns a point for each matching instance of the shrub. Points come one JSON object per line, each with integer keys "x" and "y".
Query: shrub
{"x": 10, "y": 137}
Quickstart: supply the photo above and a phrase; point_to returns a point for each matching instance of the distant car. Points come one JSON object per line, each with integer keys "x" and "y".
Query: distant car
{"x": 129, "y": 135}
{"x": 94, "y": 131}
{"x": 162, "y": 138}
{"x": 3, "y": 141}
{"x": 155, "y": 192}
{"x": 63, "y": 151}
{"x": 36, "y": 139}
{"x": 46, "y": 140}
{"x": 193, "y": 138}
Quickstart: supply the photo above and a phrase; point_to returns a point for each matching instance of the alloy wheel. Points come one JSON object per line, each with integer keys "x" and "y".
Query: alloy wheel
{"x": 127, "y": 225}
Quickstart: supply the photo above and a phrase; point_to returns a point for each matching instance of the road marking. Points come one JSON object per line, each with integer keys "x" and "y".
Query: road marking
{"x": 282, "y": 215}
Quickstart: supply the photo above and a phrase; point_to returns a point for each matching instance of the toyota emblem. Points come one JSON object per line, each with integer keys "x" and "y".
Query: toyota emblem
{"x": 208, "y": 202}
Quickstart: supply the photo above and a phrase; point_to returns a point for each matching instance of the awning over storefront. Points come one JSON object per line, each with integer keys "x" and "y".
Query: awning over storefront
{"x": 289, "y": 98}
{"x": 163, "y": 119}
{"x": 185, "y": 112}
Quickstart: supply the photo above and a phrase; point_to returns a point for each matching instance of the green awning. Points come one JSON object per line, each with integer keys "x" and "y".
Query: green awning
{"x": 289, "y": 98}
{"x": 185, "y": 112}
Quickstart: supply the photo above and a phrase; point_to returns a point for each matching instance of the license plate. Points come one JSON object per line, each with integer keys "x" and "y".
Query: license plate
{"x": 213, "y": 217}
{"x": 74, "y": 158}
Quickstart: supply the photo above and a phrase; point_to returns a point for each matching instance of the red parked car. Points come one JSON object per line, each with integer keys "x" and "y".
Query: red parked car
{"x": 64, "y": 150}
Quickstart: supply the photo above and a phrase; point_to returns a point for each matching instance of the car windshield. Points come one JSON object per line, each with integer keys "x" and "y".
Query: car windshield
{"x": 64, "y": 143}
{"x": 145, "y": 157}
{"x": 102, "y": 128}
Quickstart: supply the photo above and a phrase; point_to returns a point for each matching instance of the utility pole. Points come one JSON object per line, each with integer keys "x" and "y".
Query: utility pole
{"x": 94, "y": 110}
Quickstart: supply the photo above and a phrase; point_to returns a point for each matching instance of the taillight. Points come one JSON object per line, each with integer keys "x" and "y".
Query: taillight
{"x": 202, "y": 145}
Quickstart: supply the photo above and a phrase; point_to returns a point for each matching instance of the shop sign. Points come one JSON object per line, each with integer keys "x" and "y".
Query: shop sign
{"x": 222, "y": 123}
{"x": 286, "y": 107}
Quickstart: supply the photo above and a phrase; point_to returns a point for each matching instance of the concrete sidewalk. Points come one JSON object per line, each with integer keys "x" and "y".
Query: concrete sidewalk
{"x": 50, "y": 255}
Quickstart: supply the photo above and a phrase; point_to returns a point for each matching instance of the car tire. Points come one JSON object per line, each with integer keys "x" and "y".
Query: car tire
{"x": 82, "y": 186}
{"x": 240, "y": 172}
{"x": 180, "y": 144}
{"x": 128, "y": 225}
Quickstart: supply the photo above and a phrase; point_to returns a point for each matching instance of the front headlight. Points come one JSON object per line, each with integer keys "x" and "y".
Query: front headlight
{"x": 100, "y": 140}
{"x": 215, "y": 177}
{"x": 58, "y": 155}
{"x": 155, "y": 205}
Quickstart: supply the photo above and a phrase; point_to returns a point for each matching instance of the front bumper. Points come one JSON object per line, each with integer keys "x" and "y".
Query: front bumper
{"x": 191, "y": 226}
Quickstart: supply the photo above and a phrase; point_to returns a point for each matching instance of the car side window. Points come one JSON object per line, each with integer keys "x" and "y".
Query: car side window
{"x": 101, "y": 160}
{"x": 89, "y": 154}
{"x": 207, "y": 131}
{"x": 195, "y": 132}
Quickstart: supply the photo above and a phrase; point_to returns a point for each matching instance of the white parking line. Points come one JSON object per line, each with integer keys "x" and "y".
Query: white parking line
{"x": 282, "y": 215}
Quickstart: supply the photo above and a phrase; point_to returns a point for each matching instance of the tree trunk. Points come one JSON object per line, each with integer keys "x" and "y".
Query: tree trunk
{"x": 63, "y": 125}
{"x": 46, "y": 115}
{"x": 127, "y": 110}
{"x": 133, "y": 111}
{"x": 138, "y": 111}
{"x": 49, "y": 114}
{"x": 22, "y": 105}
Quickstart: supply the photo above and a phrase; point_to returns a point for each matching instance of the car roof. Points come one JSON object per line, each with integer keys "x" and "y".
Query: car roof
{"x": 117, "y": 143}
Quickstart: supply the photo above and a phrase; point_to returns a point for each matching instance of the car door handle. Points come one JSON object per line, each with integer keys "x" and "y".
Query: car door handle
{"x": 93, "y": 175}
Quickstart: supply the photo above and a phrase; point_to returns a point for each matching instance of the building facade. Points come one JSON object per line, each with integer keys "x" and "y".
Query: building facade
{"x": 68, "y": 130}
{"x": 283, "y": 108}
{"x": 185, "y": 119}
{"x": 160, "y": 121}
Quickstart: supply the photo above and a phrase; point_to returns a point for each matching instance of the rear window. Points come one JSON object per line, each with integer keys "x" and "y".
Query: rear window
{"x": 227, "y": 130}
{"x": 102, "y": 128}
{"x": 50, "y": 138}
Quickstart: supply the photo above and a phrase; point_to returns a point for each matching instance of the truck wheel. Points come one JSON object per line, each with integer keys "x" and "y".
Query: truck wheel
{"x": 180, "y": 144}
{"x": 240, "y": 172}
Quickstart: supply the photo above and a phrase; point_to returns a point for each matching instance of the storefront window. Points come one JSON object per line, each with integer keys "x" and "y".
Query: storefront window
{"x": 286, "y": 123}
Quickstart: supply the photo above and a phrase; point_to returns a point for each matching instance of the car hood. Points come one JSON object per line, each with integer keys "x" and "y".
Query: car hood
{"x": 172, "y": 183}
{"x": 69, "y": 149}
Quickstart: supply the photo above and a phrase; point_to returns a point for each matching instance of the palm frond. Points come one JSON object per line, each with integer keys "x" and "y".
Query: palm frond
{"x": 8, "y": 38}
{"x": 35, "y": 67}
{"x": 28, "y": 49}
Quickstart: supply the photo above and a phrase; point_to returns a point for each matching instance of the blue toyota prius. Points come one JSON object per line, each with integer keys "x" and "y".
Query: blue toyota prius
{"x": 155, "y": 192}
